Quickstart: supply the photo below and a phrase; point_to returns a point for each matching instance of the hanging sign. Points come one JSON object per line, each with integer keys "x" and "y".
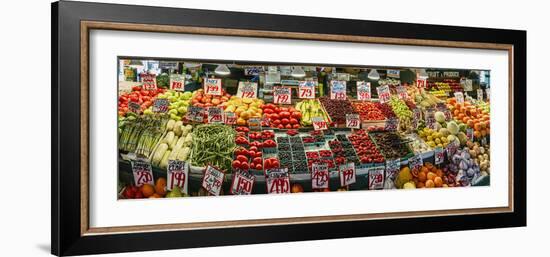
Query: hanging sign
{"x": 319, "y": 123}
{"x": 416, "y": 162}
{"x": 213, "y": 180}
{"x": 195, "y": 114}
{"x": 212, "y": 86}
{"x": 253, "y": 70}
{"x": 402, "y": 92}
{"x": 160, "y": 105}
{"x": 281, "y": 95}
{"x": 459, "y": 96}
{"x": 347, "y": 174}
{"x": 319, "y": 176}
{"x": 149, "y": 81}
{"x": 421, "y": 83}
{"x": 177, "y": 82}
{"x": 439, "y": 155}
{"x": 383, "y": 93}
{"x": 338, "y": 90}
{"x": 247, "y": 89}
{"x": 230, "y": 118}
{"x": 392, "y": 168}
{"x": 306, "y": 89}
{"x": 363, "y": 91}
{"x": 242, "y": 183}
{"x": 480, "y": 94}
{"x": 277, "y": 181}
{"x": 353, "y": 121}
{"x": 143, "y": 172}
{"x": 376, "y": 177}
{"x": 392, "y": 74}
{"x": 178, "y": 174}
{"x": 215, "y": 115}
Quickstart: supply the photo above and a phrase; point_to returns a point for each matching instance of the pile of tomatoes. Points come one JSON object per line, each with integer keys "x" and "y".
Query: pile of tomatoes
{"x": 282, "y": 117}
{"x": 138, "y": 95}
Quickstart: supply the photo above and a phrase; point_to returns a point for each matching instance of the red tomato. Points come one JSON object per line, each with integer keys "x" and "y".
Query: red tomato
{"x": 296, "y": 126}
{"x": 280, "y": 126}
{"x": 285, "y": 121}
{"x": 242, "y": 158}
{"x": 296, "y": 115}
{"x": 293, "y": 121}
{"x": 245, "y": 166}
{"x": 259, "y": 166}
{"x": 236, "y": 164}
{"x": 288, "y": 126}
{"x": 257, "y": 160}
{"x": 274, "y": 116}
{"x": 268, "y": 111}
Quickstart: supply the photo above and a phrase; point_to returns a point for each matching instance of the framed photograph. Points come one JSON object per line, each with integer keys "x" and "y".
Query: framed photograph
{"x": 179, "y": 128}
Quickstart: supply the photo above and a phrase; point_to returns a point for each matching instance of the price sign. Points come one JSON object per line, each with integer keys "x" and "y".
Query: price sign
{"x": 488, "y": 93}
{"x": 319, "y": 176}
{"x": 391, "y": 124}
{"x": 393, "y": 74}
{"x": 306, "y": 89}
{"x": 376, "y": 177}
{"x": 383, "y": 93}
{"x": 134, "y": 107}
{"x": 416, "y": 162}
{"x": 392, "y": 168}
{"x": 417, "y": 115}
{"x": 253, "y": 70}
{"x": 459, "y": 96}
{"x": 143, "y": 173}
{"x": 242, "y": 183}
{"x": 470, "y": 134}
{"x": 212, "y": 86}
{"x": 160, "y": 105}
{"x": 195, "y": 114}
{"x": 363, "y": 91}
{"x": 213, "y": 180}
{"x": 215, "y": 115}
{"x": 177, "y": 82}
{"x": 467, "y": 84}
{"x": 347, "y": 174}
{"x": 439, "y": 154}
{"x": 281, "y": 95}
{"x": 352, "y": 120}
{"x": 480, "y": 94}
{"x": 149, "y": 81}
{"x": 402, "y": 92}
{"x": 338, "y": 90}
{"x": 451, "y": 150}
{"x": 230, "y": 118}
{"x": 255, "y": 123}
{"x": 430, "y": 118}
{"x": 247, "y": 89}
{"x": 277, "y": 181}
{"x": 319, "y": 123}
{"x": 421, "y": 83}
{"x": 178, "y": 173}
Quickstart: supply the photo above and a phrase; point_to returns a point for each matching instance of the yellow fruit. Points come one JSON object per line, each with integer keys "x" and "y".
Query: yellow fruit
{"x": 429, "y": 183}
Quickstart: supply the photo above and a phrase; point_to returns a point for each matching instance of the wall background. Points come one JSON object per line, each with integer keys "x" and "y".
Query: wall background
{"x": 25, "y": 127}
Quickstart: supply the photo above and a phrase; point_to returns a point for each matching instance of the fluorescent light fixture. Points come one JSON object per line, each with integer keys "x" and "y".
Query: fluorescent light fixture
{"x": 222, "y": 70}
{"x": 373, "y": 75}
{"x": 422, "y": 74}
{"x": 191, "y": 64}
{"x": 298, "y": 72}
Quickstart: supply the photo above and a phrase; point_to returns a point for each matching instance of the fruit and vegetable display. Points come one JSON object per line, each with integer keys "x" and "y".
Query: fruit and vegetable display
{"x": 178, "y": 143}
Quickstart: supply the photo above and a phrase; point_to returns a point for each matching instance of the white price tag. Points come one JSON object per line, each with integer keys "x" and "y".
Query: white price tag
{"x": 215, "y": 115}
{"x": 160, "y": 105}
{"x": 149, "y": 81}
{"x": 376, "y": 177}
{"x": 242, "y": 183}
{"x": 195, "y": 114}
{"x": 383, "y": 93}
{"x": 177, "y": 82}
{"x": 338, "y": 90}
{"x": 281, "y": 95}
{"x": 421, "y": 83}
{"x": 319, "y": 123}
{"x": 353, "y": 121}
{"x": 212, "y": 86}
{"x": 277, "y": 181}
{"x": 347, "y": 174}
{"x": 402, "y": 92}
{"x": 213, "y": 180}
{"x": 459, "y": 96}
{"x": 363, "y": 91}
{"x": 230, "y": 118}
{"x": 416, "y": 162}
{"x": 319, "y": 176}
{"x": 143, "y": 173}
{"x": 177, "y": 173}
{"x": 439, "y": 154}
{"x": 306, "y": 89}
{"x": 247, "y": 89}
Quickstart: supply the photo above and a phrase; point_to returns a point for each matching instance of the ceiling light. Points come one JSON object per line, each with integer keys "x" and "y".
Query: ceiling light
{"x": 298, "y": 72}
{"x": 373, "y": 75}
{"x": 222, "y": 70}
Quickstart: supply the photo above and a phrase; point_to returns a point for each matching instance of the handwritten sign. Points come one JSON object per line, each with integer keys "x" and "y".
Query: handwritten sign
{"x": 347, "y": 174}
{"x": 134, "y": 107}
{"x": 391, "y": 124}
{"x": 383, "y": 93}
{"x": 319, "y": 123}
{"x": 466, "y": 84}
{"x": 177, "y": 82}
{"x": 247, "y": 89}
{"x": 215, "y": 115}
{"x": 417, "y": 115}
{"x": 352, "y": 120}
{"x": 195, "y": 114}
{"x": 392, "y": 168}
{"x": 230, "y": 118}
{"x": 429, "y": 116}
{"x": 160, "y": 105}
{"x": 242, "y": 183}
{"x": 149, "y": 81}
{"x": 451, "y": 150}
{"x": 319, "y": 176}
{"x": 281, "y": 95}
{"x": 392, "y": 74}
{"x": 213, "y": 180}
{"x": 480, "y": 94}
{"x": 253, "y": 70}
{"x": 306, "y": 89}
{"x": 459, "y": 96}
{"x": 470, "y": 134}
{"x": 402, "y": 92}
{"x": 143, "y": 173}
{"x": 178, "y": 174}
{"x": 439, "y": 154}
{"x": 277, "y": 181}
{"x": 363, "y": 91}
{"x": 376, "y": 177}
{"x": 421, "y": 83}
{"x": 338, "y": 90}
{"x": 212, "y": 86}
{"x": 416, "y": 162}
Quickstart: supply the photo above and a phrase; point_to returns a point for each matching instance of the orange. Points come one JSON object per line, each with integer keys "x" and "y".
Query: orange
{"x": 439, "y": 173}
{"x": 438, "y": 182}
{"x": 160, "y": 186}
{"x": 420, "y": 185}
{"x": 430, "y": 183}
{"x": 424, "y": 170}
{"x": 155, "y": 195}
{"x": 147, "y": 190}
{"x": 431, "y": 176}
{"x": 422, "y": 176}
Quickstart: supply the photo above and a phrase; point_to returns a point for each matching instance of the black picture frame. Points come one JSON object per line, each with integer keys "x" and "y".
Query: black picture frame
{"x": 66, "y": 114}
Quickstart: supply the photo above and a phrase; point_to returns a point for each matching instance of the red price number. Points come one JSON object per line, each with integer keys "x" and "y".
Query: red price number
{"x": 247, "y": 89}
{"x": 376, "y": 177}
{"x": 213, "y": 180}
{"x": 347, "y": 174}
{"x": 439, "y": 155}
{"x": 319, "y": 176}
{"x": 230, "y": 118}
{"x": 319, "y": 123}
{"x": 281, "y": 95}
{"x": 402, "y": 92}
{"x": 338, "y": 90}
{"x": 363, "y": 91}
{"x": 177, "y": 82}
{"x": 421, "y": 83}
{"x": 353, "y": 121}
{"x": 143, "y": 173}
{"x": 215, "y": 115}
{"x": 212, "y": 86}
{"x": 277, "y": 181}
{"x": 306, "y": 89}
{"x": 242, "y": 183}
{"x": 383, "y": 94}
{"x": 149, "y": 81}
{"x": 177, "y": 175}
